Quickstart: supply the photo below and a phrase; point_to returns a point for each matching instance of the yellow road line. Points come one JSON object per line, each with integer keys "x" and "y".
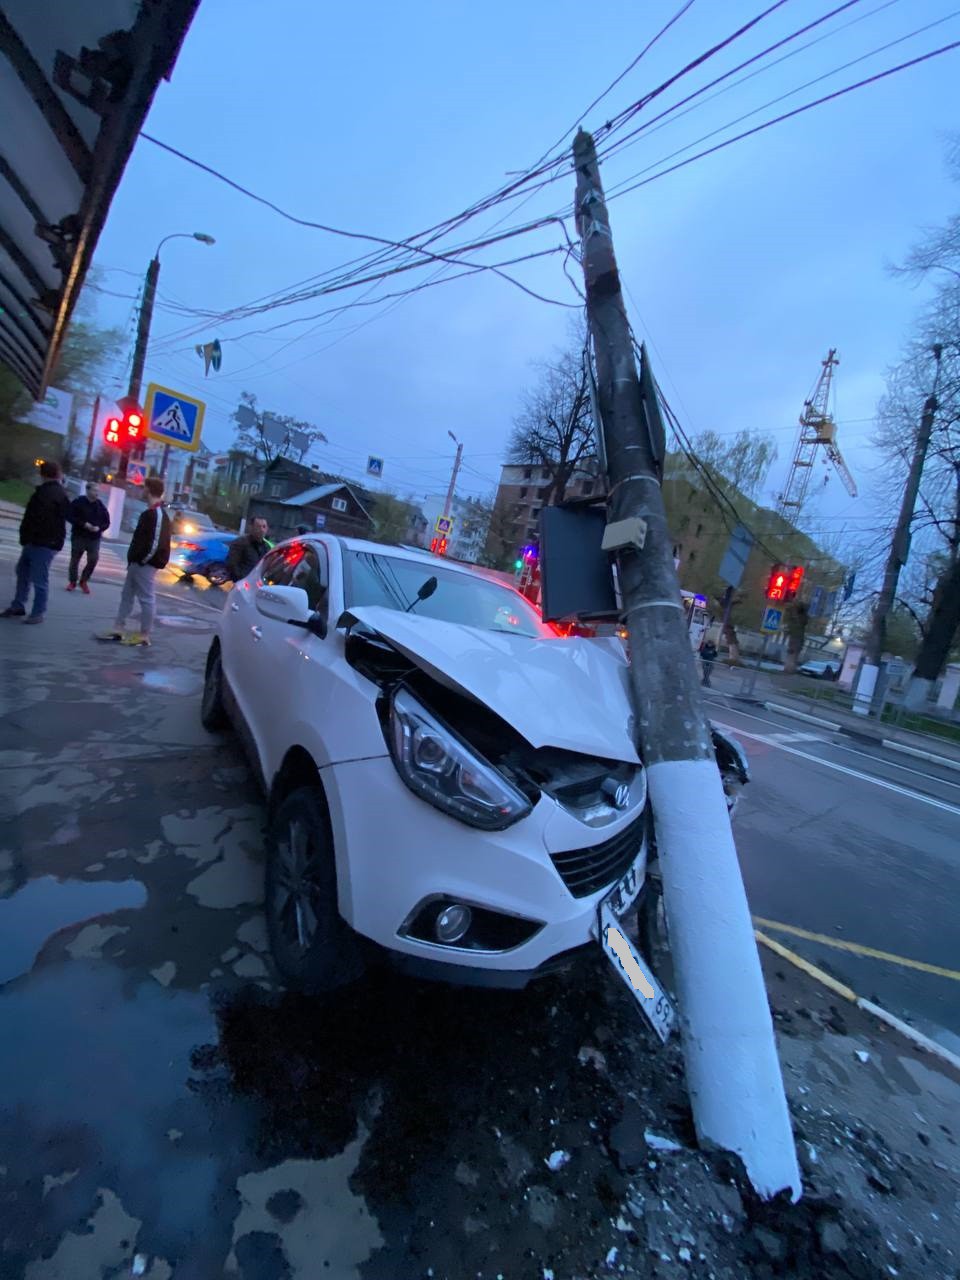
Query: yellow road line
{"x": 807, "y": 967}
{"x": 858, "y": 949}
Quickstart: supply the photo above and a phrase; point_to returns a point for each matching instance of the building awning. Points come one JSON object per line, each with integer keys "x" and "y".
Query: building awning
{"x": 76, "y": 82}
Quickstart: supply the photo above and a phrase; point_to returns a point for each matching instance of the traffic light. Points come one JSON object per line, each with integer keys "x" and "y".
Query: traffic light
{"x": 439, "y": 546}
{"x": 784, "y": 582}
{"x": 777, "y": 582}
{"x": 127, "y": 430}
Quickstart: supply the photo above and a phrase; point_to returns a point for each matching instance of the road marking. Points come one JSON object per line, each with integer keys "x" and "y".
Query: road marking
{"x": 853, "y": 751}
{"x": 841, "y": 768}
{"x": 814, "y": 972}
{"x": 858, "y": 949}
{"x": 798, "y": 737}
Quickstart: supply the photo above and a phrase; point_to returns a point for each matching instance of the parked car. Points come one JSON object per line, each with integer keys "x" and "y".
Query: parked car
{"x": 449, "y": 783}
{"x": 202, "y": 554}
{"x": 820, "y": 670}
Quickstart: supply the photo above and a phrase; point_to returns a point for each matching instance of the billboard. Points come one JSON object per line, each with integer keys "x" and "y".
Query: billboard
{"x": 52, "y": 413}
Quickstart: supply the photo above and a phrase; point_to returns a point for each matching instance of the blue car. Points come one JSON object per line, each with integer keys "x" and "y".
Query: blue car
{"x": 202, "y": 554}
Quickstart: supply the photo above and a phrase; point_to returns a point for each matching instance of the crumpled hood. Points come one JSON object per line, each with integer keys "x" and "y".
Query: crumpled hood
{"x": 570, "y": 694}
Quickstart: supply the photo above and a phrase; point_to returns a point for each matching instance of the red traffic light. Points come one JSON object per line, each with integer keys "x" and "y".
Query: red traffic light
{"x": 111, "y": 432}
{"x": 439, "y": 546}
{"x": 794, "y": 582}
{"x": 777, "y": 582}
{"x": 127, "y": 430}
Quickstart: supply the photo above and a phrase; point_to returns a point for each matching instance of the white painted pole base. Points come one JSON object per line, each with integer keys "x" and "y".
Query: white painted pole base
{"x": 733, "y": 1072}
{"x": 865, "y": 687}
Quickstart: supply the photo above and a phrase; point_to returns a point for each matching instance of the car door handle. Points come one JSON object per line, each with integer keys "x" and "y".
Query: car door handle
{"x": 257, "y": 633}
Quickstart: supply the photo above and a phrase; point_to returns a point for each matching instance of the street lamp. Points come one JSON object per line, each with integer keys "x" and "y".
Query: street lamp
{"x": 144, "y": 319}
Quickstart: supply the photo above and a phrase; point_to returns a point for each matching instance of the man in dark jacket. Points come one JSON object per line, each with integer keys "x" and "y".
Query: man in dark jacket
{"x": 43, "y": 531}
{"x": 149, "y": 551}
{"x": 248, "y": 550}
{"x": 90, "y": 520}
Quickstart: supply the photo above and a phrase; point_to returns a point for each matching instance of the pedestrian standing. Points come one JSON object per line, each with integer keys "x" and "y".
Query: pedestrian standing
{"x": 90, "y": 520}
{"x": 248, "y": 550}
{"x": 149, "y": 551}
{"x": 43, "y": 531}
{"x": 708, "y": 656}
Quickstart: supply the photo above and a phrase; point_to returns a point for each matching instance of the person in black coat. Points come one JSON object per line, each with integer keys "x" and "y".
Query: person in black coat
{"x": 89, "y": 519}
{"x": 248, "y": 550}
{"x": 43, "y": 531}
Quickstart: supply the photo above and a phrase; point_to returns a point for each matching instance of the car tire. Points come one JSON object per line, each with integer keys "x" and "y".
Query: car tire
{"x": 217, "y": 573}
{"x": 313, "y": 947}
{"x": 213, "y": 711}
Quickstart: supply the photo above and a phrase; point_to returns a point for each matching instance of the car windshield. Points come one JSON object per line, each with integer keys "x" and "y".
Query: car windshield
{"x": 393, "y": 583}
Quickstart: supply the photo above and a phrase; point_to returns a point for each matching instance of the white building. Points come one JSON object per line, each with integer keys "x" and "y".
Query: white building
{"x": 471, "y": 522}
{"x": 187, "y": 473}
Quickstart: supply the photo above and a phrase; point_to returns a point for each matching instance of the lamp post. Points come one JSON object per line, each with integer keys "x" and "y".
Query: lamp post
{"x": 143, "y": 323}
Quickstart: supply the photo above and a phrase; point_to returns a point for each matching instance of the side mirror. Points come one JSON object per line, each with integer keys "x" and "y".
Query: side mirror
{"x": 285, "y": 604}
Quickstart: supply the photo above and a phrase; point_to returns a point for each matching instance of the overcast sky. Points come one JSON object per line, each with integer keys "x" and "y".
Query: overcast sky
{"x": 742, "y": 269}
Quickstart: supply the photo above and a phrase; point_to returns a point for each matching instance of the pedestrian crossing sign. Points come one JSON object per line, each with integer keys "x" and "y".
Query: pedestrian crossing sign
{"x": 772, "y": 620}
{"x": 173, "y": 418}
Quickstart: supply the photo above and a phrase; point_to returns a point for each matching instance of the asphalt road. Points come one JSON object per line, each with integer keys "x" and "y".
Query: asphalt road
{"x": 858, "y": 844}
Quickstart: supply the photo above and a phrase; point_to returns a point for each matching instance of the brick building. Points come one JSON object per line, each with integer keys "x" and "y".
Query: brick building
{"x": 521, "y": 495}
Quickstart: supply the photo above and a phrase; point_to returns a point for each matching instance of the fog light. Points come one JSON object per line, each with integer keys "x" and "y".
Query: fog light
{"x": 453, "y": 922}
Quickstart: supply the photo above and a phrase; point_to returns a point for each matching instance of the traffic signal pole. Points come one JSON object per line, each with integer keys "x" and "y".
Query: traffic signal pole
{"x": 140, "y": 351}
{"x": 732, "y": 1070}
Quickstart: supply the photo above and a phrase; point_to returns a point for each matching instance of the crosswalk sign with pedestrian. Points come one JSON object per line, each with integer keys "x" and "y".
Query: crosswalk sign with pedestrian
{"x": 173, "y": 418}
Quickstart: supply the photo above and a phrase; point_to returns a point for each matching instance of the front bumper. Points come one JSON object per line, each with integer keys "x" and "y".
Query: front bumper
{"x": 394, "y": 852}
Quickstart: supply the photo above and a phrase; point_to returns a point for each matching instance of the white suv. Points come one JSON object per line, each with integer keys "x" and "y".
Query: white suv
{"x": 447, "y": 779}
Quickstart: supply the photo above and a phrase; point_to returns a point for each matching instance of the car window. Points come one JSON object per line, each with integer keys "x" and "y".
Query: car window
{"x": 297, "y": 564}
{"x": 392, "y": 583}
{"x": 310, "y": 573}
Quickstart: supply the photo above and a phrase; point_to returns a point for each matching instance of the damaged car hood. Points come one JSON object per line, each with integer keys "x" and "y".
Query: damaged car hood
{"x": 570, "y": 694}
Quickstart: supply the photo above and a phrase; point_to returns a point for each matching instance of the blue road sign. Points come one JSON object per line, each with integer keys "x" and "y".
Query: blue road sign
{"x": 174, "y": 418}
{"x": 772, "y": 618}
{"x": 817, "y": 602}
{"x": 374, "y": 466}
{"x": 136, "y": 472}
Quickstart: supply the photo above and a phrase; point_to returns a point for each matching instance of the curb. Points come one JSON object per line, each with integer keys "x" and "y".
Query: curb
{"x": 915, "y": 1037}
{"x": 802, "y": 715}
{"x": 919, "y": 754}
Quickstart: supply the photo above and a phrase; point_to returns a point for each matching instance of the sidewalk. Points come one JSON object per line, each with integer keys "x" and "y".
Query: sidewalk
{"x": 728, "y": 682}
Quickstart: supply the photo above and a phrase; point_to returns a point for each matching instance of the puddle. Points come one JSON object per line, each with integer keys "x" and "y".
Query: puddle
{"x": 172, "y": 680}
{"x": 43, "y": 907}
{"x": 181, "y": 622}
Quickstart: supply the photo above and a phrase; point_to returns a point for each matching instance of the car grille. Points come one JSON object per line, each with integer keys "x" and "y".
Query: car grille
{"x": 584, "y": 871}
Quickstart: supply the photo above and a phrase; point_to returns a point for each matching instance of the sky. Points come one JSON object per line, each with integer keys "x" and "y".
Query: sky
{"x": 741, "y": 270}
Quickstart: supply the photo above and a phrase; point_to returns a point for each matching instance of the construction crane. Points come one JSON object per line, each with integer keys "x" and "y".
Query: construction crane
{"x": 818, "y": 431}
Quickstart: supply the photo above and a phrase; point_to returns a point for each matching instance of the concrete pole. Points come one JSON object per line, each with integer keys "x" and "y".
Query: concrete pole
{"x": 140, "y": 353}
{"x": 899, "y": 551}
{"x": 733, "y": 1074}
{"x": 453, "y": 477}
{"x": 90, "y": 438}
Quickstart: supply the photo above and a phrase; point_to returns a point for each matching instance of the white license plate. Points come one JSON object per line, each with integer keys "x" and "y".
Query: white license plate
{"x": 635, "y": 973}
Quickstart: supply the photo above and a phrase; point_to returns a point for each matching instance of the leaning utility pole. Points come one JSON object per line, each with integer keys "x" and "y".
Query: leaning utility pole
{"x": 733, "y": 1074}
{"x": 453, "y": 477}
{"x": 140, "y": 351}
{"x": 899, "y": 551}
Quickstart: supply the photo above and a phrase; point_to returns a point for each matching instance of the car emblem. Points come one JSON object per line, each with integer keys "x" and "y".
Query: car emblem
{"x": 621, "y": 797}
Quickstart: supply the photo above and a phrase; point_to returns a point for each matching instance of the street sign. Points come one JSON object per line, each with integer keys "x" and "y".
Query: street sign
{"x": 830, "y": 604}
{"x": 736, "y": 555}
{"x": 174, "y": 418}
{"x": 136, "y": 472}
{"x": 772, "y": 618}
{"x": 374, "y": 466}
{"x": 817, "y": 600}
{"x": 444, "y": 526}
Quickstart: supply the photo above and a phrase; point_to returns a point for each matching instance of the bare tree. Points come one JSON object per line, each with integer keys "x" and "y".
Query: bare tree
{"x": 742, "y": 460}
{"x": 554, "y": 429}
{"x": 272, "y": 435}
{"x": 935, "y": 531}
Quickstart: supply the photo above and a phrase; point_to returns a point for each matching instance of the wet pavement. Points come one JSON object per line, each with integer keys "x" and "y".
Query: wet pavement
{"x": 166, "y": 1110}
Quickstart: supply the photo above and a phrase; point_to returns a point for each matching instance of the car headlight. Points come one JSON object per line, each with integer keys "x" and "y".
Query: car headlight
{"x": 440, "y": 768}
